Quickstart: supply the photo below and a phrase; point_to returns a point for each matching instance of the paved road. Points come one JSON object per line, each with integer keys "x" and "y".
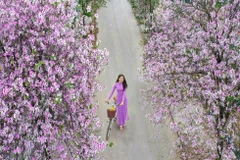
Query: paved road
{"x": 119, "y": 33}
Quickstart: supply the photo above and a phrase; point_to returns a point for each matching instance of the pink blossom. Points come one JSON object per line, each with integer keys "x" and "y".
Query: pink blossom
{"x": 43, "y": 67}
{"x": 192, "y": 61}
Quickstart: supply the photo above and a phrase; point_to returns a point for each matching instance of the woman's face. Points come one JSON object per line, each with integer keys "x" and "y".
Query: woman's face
{"x": 120, "y": 79}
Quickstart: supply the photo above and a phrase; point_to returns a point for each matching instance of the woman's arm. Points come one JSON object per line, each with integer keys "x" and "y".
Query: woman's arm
{"x": 113, "y": 89}
{"x": 124, "y": 95}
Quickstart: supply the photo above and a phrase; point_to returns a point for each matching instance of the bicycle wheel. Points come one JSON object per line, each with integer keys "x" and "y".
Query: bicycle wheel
{"x": 108, "y": 133}
{"x": 109, "y": 130}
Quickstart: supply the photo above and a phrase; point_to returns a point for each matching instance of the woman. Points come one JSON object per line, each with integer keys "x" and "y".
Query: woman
{"x": 122, "y": 108}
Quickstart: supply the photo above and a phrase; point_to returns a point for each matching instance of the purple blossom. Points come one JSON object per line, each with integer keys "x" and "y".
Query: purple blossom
{"x": 193, "y": 60}
{"x": 43, "y": 100}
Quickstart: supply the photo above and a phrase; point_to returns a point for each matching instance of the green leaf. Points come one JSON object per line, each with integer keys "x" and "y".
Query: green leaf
{"x": 57, "y": 100}
{"x": 238, "y": 98}
{"x": 78, "y": 8}
{"x": 85, "y": 37}
{"x": 25, "y": 97}
{"x": 197, "y": 50}
{"x": 38, "y": 65}
{"x": 89, "y": 14}
{"x": 61, "y": 127}
{"x": 52, "y": 57}
{"x": 91, "y": 106}
{"x": 111, "y": 144}
{"x": 237, "y": 153}
{"x": 212, "y": 38}
{"x": 12, "y": 62}
{"x": 238, "y": 103}
{"x": 70, "y": 85}
{"x": 234, "y": 65}
{"x": 34, "y": 52}
{"x": 188, "y": 51}
{"x": 195, "y": 77}
{"x": 220, "y": 4}
{"x": 26, "y": 83}
{"x": 74, "y": 99}
{"x": 231, "y": 46}
{"x": 230, "y": 99}
{"x": 56, "y": 3}
{"x": 45, "y": 150}
{"x": 77, "y": 134}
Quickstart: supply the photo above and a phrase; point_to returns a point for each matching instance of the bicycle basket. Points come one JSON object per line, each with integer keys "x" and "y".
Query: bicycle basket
{"x": 111, "y": 114}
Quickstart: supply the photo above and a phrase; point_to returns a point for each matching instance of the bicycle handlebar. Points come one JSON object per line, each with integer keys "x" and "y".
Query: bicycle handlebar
{"x": 113, "y": 103}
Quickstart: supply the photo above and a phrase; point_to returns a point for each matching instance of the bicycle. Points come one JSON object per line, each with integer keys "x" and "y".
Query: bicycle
{"x": 112, "y": 116}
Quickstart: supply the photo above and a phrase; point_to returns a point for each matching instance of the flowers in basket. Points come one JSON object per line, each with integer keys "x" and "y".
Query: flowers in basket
{"x": 112, "y": 108}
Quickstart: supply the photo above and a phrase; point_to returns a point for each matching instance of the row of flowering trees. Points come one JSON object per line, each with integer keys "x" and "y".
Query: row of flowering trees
{"x": 192, "y": 68}
{"x": 84, "y": 5}
{"x": 48, "y": 66}
{"x": 89, "y": 8}
{"x": 143, "y": 11}
{"x": 143, "y": 7}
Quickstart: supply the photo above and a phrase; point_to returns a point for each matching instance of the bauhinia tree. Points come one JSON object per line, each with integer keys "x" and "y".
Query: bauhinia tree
{"x": 143, "y": 10}
{"x": 192, "y": 66}
{"x": 48, "y": 67}
{"x": 85, "y": 5}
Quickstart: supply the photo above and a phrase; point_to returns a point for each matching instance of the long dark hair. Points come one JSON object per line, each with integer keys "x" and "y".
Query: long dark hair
{"x": 124, "y": 81}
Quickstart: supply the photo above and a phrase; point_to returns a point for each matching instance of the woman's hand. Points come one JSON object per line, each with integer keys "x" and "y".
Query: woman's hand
{"x": 107, "y": 101}
{"x": 121, "y": 104}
